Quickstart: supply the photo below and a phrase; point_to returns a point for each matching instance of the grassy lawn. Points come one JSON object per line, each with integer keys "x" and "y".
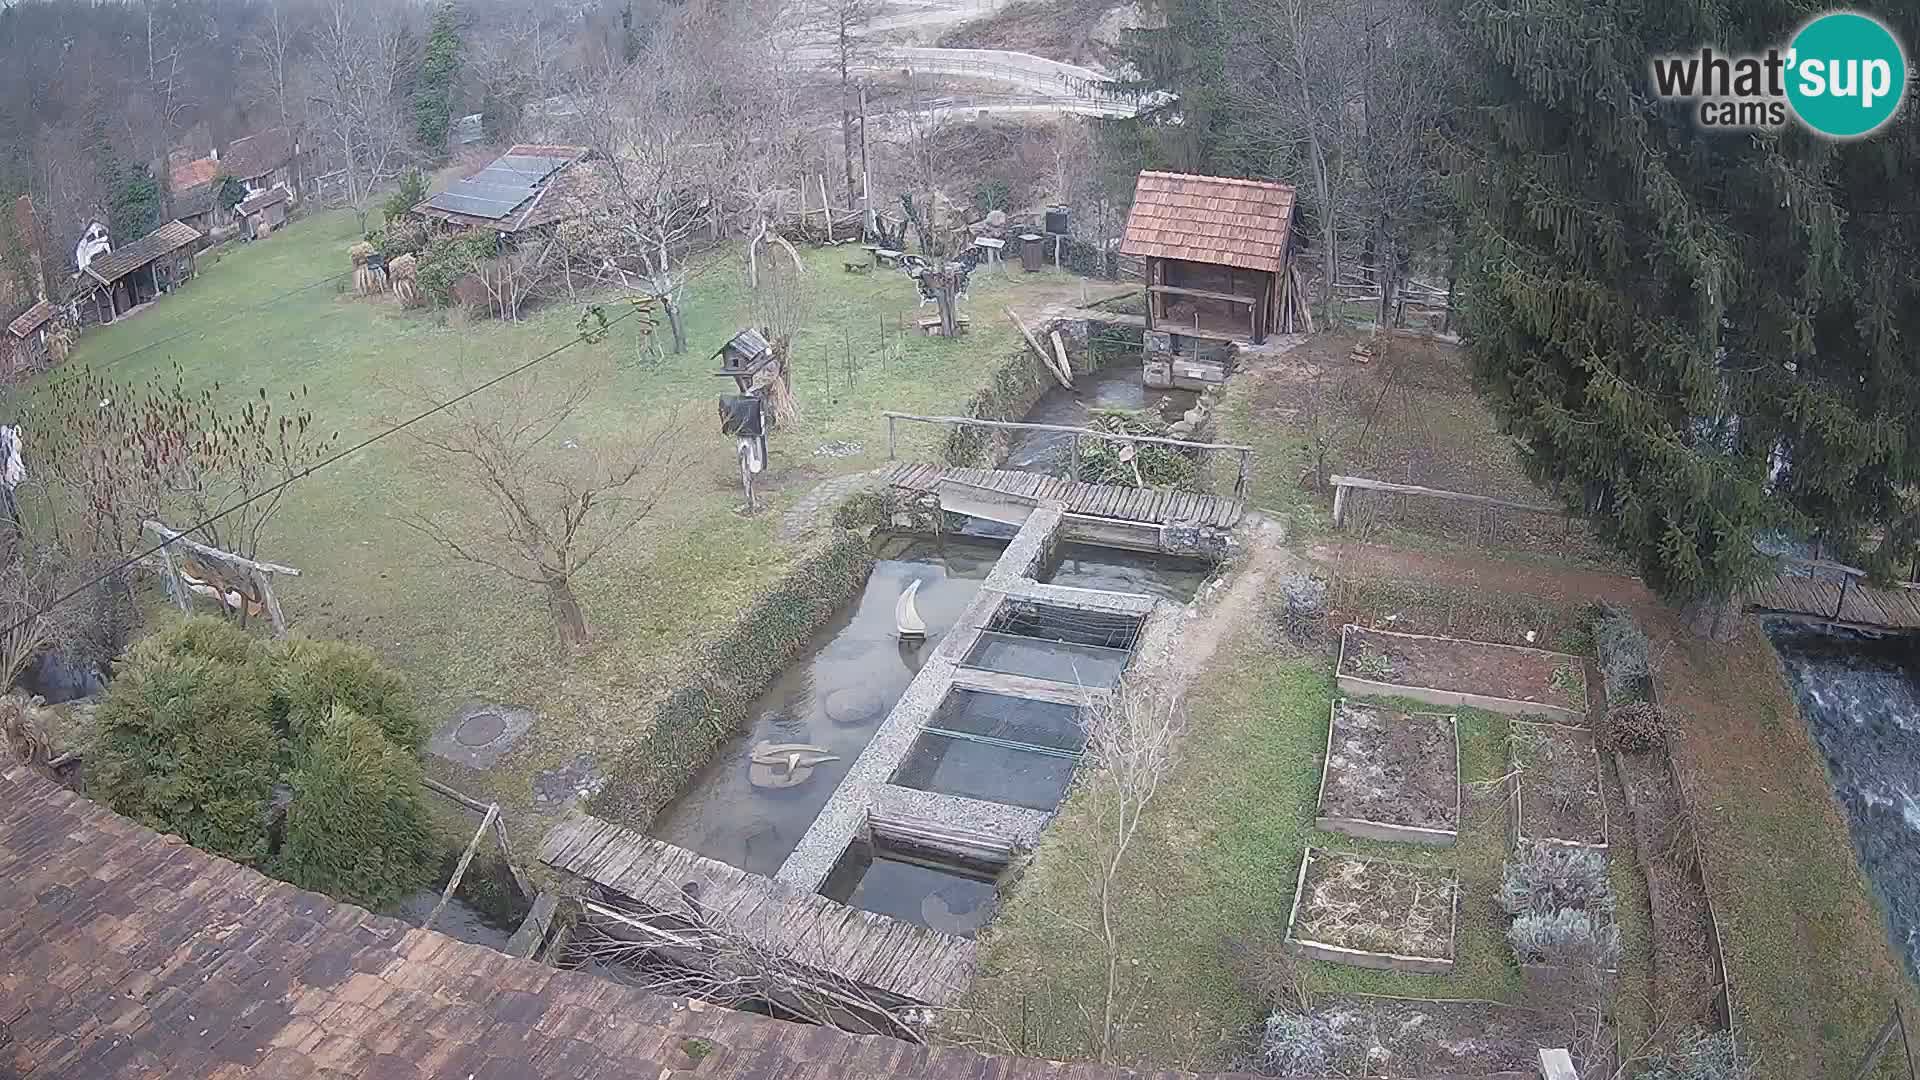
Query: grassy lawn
{"x": 1214, "y": 866}
{"x": 461, "y": 632}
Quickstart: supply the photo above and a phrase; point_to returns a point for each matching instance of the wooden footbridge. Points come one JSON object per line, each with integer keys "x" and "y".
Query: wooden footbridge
{"x": 1829, "y": 592}
{"x": 894, "y": 961}
{"x": 1139, "y": 506}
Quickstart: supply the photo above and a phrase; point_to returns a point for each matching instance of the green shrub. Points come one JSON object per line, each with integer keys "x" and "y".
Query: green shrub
{"x": 357, "y": 828}
{"x": 717, "y": 689}
{"x": 1623, "y": 654}
{"x": 411, "y": 193}
{"x": 184, "y": 744}
{"x": 311, "y": 677}
{"x": 1565, "y": 938}
{"x": 206, "y": 637}
{"x": 1540, "y": 877}
{"x": 449, "y": 257}
{"x": 1160, "y": 466}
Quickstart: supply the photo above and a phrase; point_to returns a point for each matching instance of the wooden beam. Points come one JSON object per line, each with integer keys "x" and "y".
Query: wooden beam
{"x": 1065, "y": 430}
{"x": 172, "y": 538}
{"x": 460, "y": 871}
{"x": 1204, "y": 294}
{"x": 1437, "y": 493}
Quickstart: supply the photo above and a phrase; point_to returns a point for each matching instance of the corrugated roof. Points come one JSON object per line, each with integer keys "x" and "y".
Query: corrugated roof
{"x": 258, "y": 154}
{"x": 509, "y": 193}
{"x": 1210, "y": 219}
{"x": 127, "y": 955}
{"x": 263, "y": 200}
{"x": 120, "y": 262}
{"x": 31, "y": 319}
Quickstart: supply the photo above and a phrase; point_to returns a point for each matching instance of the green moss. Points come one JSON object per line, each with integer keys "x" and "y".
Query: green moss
{"x": 717, "y": 689}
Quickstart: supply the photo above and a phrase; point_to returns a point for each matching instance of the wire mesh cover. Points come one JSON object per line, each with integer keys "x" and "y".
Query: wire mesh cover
{"x": 1019, "y": 720}
{"x": 1103, "y": 629}
{"x": 1041, "y": 658}
{"x": 953, "y": 766}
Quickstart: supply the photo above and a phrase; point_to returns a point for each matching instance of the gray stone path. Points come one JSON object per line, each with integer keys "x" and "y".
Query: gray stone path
{"x": 813, "y": 509}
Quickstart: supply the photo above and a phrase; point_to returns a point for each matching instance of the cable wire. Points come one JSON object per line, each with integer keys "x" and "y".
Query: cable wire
{"x": 592, "y": 333}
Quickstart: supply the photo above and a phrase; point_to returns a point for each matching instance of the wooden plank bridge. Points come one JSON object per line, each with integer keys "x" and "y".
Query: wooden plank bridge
{"x": 897, "y": 958}
{"x": 1143, "y": 506}
{"x": 1844, "y": 600}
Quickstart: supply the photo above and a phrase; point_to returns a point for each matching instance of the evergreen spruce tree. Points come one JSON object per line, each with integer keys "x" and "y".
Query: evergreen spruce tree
{"x": 433, "y": 97}
{"x": 1696, "y": 337}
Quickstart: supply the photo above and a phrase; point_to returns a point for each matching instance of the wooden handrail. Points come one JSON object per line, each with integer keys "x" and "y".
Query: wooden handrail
{"x": 1340, "y": 483}
{"x": 1065, "y": 430}
{"x": 1204, "y": 294}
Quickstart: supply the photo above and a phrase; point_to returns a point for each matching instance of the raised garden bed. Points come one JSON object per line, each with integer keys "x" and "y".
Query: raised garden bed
{"x": 1391, "y": 775}
{"x": 1374, "y": 913}
{"x": 1450, "y": 671}
{"x": 1556, "y": 789}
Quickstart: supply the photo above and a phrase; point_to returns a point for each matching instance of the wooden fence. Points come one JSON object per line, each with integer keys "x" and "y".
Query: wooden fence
{"x": 1075, "y": 434}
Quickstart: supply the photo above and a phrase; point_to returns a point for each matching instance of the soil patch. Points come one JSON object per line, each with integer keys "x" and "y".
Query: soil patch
{"x": 1374, "y": 913}
{"x": 1390, "y": 1036}
{"x": 1455, "y": 666}
{"x": 1557, "y": 785}
{"x": 1391, "y": 775}
{"x": 1684, "y": 984}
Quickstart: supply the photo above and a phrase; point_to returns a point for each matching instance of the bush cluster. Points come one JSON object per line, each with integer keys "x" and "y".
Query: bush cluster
{"x": 1696, "y": 1055}
{"x": 1562, "y": 906}
{"x": 718, "y": 688}
{"x": 203, "y": 722}
{"x": 1160, "y": 466}
{"x": 447, "y": 258}
{"x": 1623, "y": 653}
{"x": 1636, "y": 727}
{"x": 1299, "y": 1044}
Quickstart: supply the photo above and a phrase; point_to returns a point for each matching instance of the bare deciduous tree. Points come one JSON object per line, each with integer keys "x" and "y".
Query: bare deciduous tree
{"x": 361, "y": 58}
{"x": 550, "y": 510}
{"x": 840, "y": 29}
{"x": 1131, "y": 735}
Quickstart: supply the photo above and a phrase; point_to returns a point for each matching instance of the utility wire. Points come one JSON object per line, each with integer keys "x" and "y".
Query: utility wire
{"x": 331, "y": 459}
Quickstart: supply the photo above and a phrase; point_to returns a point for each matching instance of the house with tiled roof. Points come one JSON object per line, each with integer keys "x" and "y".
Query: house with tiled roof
{"x": 263, "y": 161}
{"x": 1218, "y": 254}
{"x": 128, "y": 955}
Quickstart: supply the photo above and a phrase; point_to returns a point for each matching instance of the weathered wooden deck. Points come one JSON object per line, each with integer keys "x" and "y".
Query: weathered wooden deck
{"x": 1846, "y": 601}
{"x": 1150, "y": 506}
{"x": 898, "y": 958}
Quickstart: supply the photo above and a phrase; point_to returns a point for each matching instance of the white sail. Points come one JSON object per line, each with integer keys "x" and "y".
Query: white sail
{"x": 906, "y": 617}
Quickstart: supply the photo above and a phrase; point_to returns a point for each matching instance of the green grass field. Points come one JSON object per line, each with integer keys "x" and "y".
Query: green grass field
{"x": 278, "y": 314}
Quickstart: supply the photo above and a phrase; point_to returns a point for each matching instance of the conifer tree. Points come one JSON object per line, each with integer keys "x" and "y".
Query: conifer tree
{"x": 433, "y": 99}
{"x": 1697, "y": 338}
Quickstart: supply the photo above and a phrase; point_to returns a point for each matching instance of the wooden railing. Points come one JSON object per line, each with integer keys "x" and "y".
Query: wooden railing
{"x": 1075, "y": 434}
{"x": 1341, "y": 485}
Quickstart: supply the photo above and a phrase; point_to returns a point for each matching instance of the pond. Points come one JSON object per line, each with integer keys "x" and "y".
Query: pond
{"x": 996, "y": 748}
{"x": 833, "y": 697}
{"x": 1169, "y": 577}
{"x": 1861, "y": 701}
{"x": 928, "y": 892}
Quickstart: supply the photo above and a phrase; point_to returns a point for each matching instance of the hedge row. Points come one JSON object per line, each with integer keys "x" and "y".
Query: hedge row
{"x": 718, "y": 689}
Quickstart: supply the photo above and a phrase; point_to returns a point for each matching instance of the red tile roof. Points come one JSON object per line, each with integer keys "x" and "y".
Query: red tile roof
{"x": 1210, "y": 219}
{"x": 126, "y": 955}
{"x": 190, "y": 174}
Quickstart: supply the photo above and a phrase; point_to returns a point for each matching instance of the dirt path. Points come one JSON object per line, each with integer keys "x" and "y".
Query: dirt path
{"x": 1201, "y": 633}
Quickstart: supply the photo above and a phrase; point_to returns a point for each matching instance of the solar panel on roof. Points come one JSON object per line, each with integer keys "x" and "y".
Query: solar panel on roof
{"x": 496, "y": 190}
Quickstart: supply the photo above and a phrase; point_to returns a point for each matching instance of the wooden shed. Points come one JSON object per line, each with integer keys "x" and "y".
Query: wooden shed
{"x": 27, "y": 337}
{"x": 1217, "y": 250}
{"x": 123, "y": 278}
{"x": 264, "y": 212}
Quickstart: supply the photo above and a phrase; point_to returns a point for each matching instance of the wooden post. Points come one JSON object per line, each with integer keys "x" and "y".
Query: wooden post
{"x": 1841, "y": 606}
{"x": 826, "y": 208}
{"x": 1339, "y": 504}
{"x": 1073, "y": 458}
{"x": 1879, "y": 1044}
{"x": 460, "y": 871}
{"x": 175, "y": 586}
{"x": 264, "y": 582}
{"x": 1246, "y": 468}
{"x": 889, "y": 438}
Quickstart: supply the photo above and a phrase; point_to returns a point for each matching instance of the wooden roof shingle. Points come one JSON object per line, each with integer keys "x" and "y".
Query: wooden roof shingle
{"x": 1210, "y": 219}
{"x": 118, "y": 263}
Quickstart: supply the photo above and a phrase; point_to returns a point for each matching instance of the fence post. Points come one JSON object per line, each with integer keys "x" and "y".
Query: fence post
{"x": 1240, "y": 482}
{"x": 889, "y": 438}
{"x": 1339, "y": 504}
{"x": 1880, "y": 1041}
{"x": 1905, "y": 1045}
{"x": 1073, "y": 458}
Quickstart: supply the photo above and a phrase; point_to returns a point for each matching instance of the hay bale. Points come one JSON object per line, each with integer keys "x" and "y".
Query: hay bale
{"x": 361, "y": 252}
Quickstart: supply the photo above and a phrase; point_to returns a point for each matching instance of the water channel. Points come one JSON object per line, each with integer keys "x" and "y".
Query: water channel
{"x": 1860, "y": 696}
{"x": 1116, "y": 386}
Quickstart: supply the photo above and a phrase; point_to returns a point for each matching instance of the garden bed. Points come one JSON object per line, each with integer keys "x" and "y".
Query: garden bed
{"x": 1391, "y": 775}
{"x": 1374, "y": 913}
{"x": 1451, "y": 671}
{"x": 1556, "y": 789}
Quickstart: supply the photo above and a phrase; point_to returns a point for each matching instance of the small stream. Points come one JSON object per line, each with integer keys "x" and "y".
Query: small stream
{"x": 834, "y": 695}
{"x": 1861, "y": 699}
{"x": 461, "y": 920}
{"x": 1117, "y": 386}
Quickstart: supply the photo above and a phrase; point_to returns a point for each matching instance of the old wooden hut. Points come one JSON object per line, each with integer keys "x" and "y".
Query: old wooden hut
{"x": 265, "y": 212}
{"x": 1217, "y": 253}
{"x": 120, "y": 279}
{"x": 27, "y": 337}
